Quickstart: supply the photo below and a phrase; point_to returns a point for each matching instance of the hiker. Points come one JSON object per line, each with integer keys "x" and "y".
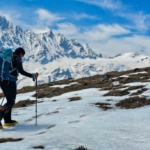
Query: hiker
{"x": 9, "y": 87}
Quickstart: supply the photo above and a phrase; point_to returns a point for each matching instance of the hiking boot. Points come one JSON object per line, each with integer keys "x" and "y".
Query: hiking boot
{"x": 1, "y": 127}
{"x": 10, "y": 123}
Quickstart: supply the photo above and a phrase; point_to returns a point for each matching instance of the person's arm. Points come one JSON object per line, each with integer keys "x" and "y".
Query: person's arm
{"x": 21, "y": 70}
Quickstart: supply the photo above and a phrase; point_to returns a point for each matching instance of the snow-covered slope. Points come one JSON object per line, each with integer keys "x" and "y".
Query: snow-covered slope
{"x": 66, "y": 125}
{"x": 43, "y": 48}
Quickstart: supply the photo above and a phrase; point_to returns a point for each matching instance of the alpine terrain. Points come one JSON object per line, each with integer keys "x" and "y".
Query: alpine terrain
{"x": 101, "y": 112}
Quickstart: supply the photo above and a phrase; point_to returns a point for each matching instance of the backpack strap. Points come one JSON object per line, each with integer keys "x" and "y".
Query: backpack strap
{"x": 2, "y": 69}
{"x": 12, "y": 70}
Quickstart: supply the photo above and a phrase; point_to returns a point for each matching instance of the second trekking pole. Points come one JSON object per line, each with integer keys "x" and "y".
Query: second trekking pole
{"x": 36, "y": 103}
{"x": 2, "y": 101}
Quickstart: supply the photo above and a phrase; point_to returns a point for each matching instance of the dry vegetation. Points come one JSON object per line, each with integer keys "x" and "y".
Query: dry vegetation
{"x": 117, "y": 93}
{"x": 24, "y": 103}
{"x": 133, "y": 102}
{"x": 104, "y": 106}
{"x": 39, "y": 147}
{"x": 74, "y": 99}
{"x": 4, "y": 140}
{"x": 81, "y": 148}
{"x": 139, "y": 92}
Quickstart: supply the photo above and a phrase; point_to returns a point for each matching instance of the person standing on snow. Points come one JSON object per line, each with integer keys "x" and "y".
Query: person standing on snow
{"x": 9, "y": 87}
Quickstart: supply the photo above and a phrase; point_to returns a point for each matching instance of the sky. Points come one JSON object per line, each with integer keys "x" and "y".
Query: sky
{"x": 110, "y": 27}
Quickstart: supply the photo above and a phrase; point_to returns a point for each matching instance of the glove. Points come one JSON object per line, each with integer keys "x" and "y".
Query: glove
{"x": 35, "y": 76}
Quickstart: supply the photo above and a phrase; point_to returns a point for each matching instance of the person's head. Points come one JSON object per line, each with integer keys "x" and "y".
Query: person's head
{"x": 20, "y": 51}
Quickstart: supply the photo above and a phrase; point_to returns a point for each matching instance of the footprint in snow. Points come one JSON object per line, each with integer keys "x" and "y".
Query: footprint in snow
{"x": 76, "y": 121}
{"x": 83, "y": 115}
{"x": 30, "y": 119}
{"x": 54, "y": 112}
{"x": 51, "y": 126}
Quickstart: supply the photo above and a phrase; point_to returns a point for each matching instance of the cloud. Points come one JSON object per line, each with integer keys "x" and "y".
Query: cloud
{"x": 16, "y": 18}
{"x": 103, "y": 32}
{"x": 108, "y": 40}
{"x": 47, "y": 18}
{"x": 43, "y": 20}
{"x": 105, "y": 4}
{"x": 114, "y": 46}
{"x": 37, "y": 29}
{"x": 98, "y": 32}
{"x": 11, "y": 16}
{"x": 139, "y": 20}
{"x": 84, "y": 16}
{"x": 68, "y": 29}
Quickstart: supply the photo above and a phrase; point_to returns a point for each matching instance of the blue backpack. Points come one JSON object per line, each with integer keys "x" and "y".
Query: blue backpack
{"x": 6, "y": 55}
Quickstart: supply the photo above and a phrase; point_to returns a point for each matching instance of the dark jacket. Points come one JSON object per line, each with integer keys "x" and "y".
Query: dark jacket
{"x": 17, "y": 68}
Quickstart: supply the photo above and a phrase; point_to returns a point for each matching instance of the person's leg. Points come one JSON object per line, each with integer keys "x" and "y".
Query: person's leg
{"x": 7, "y": 116}
{"x": 9, "y": 90}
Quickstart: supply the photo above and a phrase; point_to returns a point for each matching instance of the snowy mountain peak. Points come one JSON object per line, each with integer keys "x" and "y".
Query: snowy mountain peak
{"x": 129, "y": 55}
{"x": 4, "y": 24}
{"x": 43, "y": 47}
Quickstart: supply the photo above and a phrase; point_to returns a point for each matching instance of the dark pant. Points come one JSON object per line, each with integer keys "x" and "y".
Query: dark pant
{"x": 10, "y": 90}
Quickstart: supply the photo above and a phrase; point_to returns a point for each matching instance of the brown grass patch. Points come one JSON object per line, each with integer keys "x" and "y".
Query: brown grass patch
{"x": 129, "y": 80}
{"x": 4, "y": 140}
{"x": 24, "y": 103}
{"x": 133, "y": 102}
{"x": 117, "y": 93}
{"x": 139, "y": 92}
{"x": 74, "y": 99}
{"x": 81, "y": 148}
{"x": 106, "y": 88}
{"x": 104, "y": 106}
{"x": 135, "y": 87}
{"x": 39, "y": 147}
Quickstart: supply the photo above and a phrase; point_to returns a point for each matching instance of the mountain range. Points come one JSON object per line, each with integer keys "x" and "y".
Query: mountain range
{"x": 57, "y": 58}
{"x": 43, "y": 47}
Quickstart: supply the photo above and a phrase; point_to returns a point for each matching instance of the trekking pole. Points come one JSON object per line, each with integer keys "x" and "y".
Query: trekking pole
{"x": 2, "y": 101}
{"x": 36, "y": 103}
